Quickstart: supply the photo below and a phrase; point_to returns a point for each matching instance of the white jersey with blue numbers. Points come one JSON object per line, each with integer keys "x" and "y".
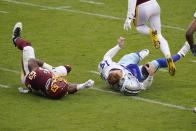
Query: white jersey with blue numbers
{"x": 107, "y": 64}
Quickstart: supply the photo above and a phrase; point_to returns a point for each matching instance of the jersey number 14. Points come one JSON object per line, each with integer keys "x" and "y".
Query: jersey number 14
{"x": 102, "y": 65}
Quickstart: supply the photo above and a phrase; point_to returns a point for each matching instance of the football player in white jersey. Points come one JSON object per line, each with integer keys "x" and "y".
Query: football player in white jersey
{"x": 143, "y": 11}
{"x": 126, "y": 75}
{"x": 189, "y": 35}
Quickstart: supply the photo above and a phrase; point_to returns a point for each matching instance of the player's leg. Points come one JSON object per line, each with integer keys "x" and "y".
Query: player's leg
{"x": 28, "y": 51}
{"x": 141, "y": 17}
{"x": 162, "y": 63}
{"x": 75, "y": 87}
{"x": 134, "y": 58}
{"x": 155, "y": 23}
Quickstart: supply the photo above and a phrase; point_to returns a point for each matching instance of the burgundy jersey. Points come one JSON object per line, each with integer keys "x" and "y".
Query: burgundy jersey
{"x": 39, "y": 80}
{"x": 141, "y": 1}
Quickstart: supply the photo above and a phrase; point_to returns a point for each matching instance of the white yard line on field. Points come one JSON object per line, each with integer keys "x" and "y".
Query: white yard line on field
{"x": 9, "y": 70}
{"x": 144, "y": 99}
{"x": 63, "y": 7}
{"x": 58, "y": 8}
{"x": 1, "y": 11}
{"x": 95, "y": 72}
{"x": 163, "y": 70}
{"x": 81, "y": 12}
{"x": 194, "y": 61}
{"x": 172, "y": 27}
{"x": 68, "y": 10}
{"x": 91, "y": 2}
{"x": 140, "y": 98}
{"x": 4, "y": 86}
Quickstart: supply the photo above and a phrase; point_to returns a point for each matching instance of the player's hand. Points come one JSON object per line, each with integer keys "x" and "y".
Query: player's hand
{"x": 150, "y": 69}
{"x": 127, "y": 24}
{"x": 21, "y": 90}
{"x": 121, "y": 42}
{"x": 194, "y": 50}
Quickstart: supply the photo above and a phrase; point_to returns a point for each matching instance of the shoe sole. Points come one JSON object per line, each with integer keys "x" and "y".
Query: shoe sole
{"x": 171, "y": 66}
{"x": 156, "y": 43}
{"x": 17, "y": 25}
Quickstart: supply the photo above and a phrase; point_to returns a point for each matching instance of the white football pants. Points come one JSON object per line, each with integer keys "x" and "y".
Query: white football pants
{"x": 28, "y": 52}
{"x": 150, "y": 12}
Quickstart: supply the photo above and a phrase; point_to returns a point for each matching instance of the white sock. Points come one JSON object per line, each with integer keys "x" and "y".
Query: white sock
{"x": 164, "y": 47}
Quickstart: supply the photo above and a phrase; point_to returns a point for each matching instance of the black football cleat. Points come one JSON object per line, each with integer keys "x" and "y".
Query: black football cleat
{"x": 16, "y": 32}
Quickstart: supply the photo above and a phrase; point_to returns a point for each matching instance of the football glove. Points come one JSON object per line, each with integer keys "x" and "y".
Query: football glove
{"x": 194, "y": 51}
{"x": 21, "y": 90}
{"x": 127, "y": 24}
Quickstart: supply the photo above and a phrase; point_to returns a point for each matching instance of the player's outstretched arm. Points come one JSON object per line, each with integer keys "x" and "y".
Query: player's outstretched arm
{"x": 130, "y": 14}
{"x": 189, "y": 34}
{"x": 75, "y": 87}
{"x": 35, "y": 63}
{"x": 112, "y": 52}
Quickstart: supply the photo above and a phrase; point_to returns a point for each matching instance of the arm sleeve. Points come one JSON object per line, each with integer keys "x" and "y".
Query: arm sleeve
{"x": 147, "y": 83}
{"x": 131, "y": 8}
{"x": 111, "y": 53}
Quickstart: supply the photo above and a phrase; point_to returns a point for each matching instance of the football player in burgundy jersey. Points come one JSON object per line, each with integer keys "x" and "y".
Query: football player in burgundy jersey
{"x": 125, "y": 75}
{"x": 40, "y": 76}
{"x": 189, "y": 35}
{"x": 143, "y": 11}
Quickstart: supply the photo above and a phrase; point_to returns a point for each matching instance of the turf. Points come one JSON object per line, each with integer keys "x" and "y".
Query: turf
{"x": 72, "y": 36}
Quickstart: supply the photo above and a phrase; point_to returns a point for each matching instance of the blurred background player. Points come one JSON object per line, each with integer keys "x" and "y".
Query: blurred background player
{"x": 189, "y": 35}
{"x": 143, "y": 11}
{"x": 41, "y": 77}
{"x": 126, "y": 75}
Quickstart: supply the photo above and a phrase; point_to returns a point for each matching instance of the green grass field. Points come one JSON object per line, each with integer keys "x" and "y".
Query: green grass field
{"x": 79, "y": 34}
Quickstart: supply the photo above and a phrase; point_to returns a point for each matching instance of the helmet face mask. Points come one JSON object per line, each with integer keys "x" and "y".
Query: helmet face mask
{"x": 59, "y": 87}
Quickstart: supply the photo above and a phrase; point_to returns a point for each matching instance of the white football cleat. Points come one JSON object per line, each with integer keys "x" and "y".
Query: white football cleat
{"x": 143, "y": 53}
{"x": 89, "y": 83}
{"x": 183, "y": 51}
{"x": 16, "y": 32}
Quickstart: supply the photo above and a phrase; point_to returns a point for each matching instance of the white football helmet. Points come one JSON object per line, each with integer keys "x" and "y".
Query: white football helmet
{"x": 131, "y": 86}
